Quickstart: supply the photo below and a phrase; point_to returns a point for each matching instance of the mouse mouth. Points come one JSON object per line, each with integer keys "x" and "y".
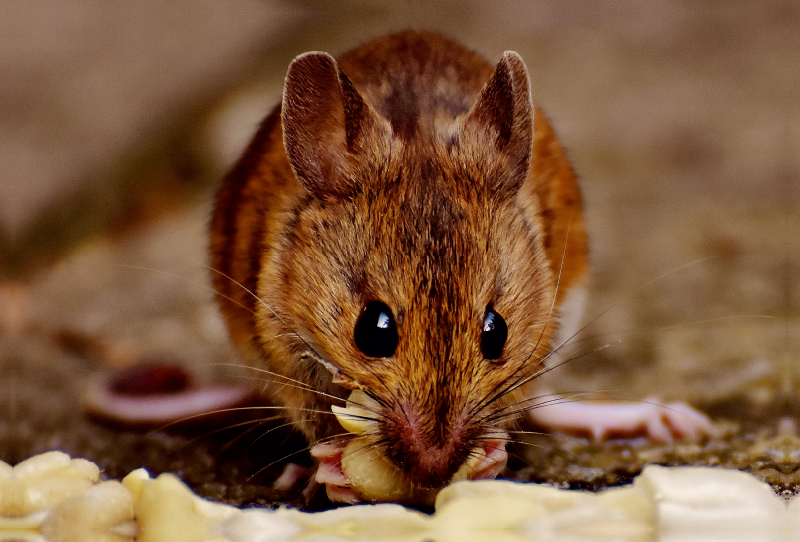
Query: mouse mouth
{"x": 358, "y": 467}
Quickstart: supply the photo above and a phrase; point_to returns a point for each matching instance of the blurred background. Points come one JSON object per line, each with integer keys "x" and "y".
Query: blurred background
{"x": 118, "y": 120}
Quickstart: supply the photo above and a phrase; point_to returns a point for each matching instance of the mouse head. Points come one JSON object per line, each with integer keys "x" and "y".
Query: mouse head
{"x": 413, "y": 265}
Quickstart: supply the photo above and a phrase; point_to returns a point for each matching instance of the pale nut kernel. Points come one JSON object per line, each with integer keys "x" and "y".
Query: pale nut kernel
{"x": 358, "y": 415}
{"x": 377, "y": 479}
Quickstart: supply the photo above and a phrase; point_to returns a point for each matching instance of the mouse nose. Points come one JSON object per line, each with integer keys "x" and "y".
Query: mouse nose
{"x": 429, "y": 451}
{"x": 430, "y": 467}
{"x": 434, "y": 467}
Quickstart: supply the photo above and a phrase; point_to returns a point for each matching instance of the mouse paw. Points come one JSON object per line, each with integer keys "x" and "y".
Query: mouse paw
{"x": 486, "y": 462}
{"x": 330, "y": 474}
{"x": 293, "y": 476}
{"x": 603, "y": 419}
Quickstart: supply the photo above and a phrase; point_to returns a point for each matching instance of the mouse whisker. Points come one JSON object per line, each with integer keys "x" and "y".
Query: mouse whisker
{"x": 544, "y": 397}
{"x": 284, "y": 380}
{"x": 213, "y": 412}
{"x": 256, "y": 422}
{"x": 270, "y": 430}
{"x": 479, "y": 452}
{"x": 367, "y": 445}
{"x": 523, "y": 432}
{"x": 512, "y": 384}
{"x": 269, "y": 308}
{"x": 296, "y": 452}
{"x": 506, "y": 412}
{"x": 520, "y": 407}
{"x": 330, "y": 438}
{"x": 605, "y": 311}
{"x": 255, "y": 427}
{"x": 569, "y": 340}
{"x": 499, "y": 391}
{"x": 186, "y": 280}
{"x": 555, "y": 294}
{"x": 546, "y": 369}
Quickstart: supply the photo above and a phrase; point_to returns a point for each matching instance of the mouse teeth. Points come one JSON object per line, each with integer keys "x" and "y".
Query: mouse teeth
{"x": 358, "y": 415}
{"x": 362, "y": 469}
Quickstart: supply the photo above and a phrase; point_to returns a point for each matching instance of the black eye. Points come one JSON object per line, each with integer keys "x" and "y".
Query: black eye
{"x": 494, "y": 335}
{"x": 376, "y": 333}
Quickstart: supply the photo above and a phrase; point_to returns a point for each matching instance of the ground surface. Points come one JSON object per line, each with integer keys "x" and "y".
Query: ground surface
{"x": 682, "y": 118}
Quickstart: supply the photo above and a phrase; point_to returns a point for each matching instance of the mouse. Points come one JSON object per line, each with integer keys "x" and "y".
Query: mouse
{"x": 405, "y": 231}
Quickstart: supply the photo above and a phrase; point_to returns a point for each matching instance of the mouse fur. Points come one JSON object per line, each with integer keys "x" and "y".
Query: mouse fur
{"x": 412, "y": 172}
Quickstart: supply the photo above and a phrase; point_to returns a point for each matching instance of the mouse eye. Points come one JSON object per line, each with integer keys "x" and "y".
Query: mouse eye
{"x": 494, "y": 334}
{"x": 376, "y": 333}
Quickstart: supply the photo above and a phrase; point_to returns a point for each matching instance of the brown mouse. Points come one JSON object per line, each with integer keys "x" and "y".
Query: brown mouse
{"x": 404, "y": 223}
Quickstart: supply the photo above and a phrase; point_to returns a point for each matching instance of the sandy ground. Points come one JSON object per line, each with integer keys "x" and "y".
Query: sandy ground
{"x": 682, "y": 118}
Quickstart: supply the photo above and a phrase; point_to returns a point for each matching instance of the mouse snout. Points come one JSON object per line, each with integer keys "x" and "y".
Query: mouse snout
{"x": 430, "y": 450}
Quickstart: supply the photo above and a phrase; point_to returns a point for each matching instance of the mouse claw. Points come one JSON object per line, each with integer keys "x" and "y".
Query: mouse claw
{"x": 330, "y": 474}
{"x": 603, "y": 419}
{"x": 681, "y": 420}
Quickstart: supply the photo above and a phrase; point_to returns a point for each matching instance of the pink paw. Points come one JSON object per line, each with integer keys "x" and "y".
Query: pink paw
{"x": 602, "y": 419}
{"x": 330, "y": 474}
{"x": 293, "y": 476}
{"x": 487, "y": 462}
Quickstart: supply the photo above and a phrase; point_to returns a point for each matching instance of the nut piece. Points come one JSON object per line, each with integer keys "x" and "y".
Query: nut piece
{"x": 376, "y": 479}
{"x": 372, "y": 476}
{"x": 358, "y": 415}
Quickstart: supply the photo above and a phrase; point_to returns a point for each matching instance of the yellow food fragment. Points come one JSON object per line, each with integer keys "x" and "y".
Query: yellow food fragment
{"x": 377, "y": 479}
{"x": 358, "y": 415}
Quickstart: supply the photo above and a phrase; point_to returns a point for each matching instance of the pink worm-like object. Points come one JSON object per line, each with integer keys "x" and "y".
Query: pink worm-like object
{"x": 155, "y": 394}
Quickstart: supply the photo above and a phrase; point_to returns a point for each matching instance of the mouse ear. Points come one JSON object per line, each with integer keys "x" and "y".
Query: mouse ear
{"x": 327, "y": 126}
{"x": 504, "y": 113}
